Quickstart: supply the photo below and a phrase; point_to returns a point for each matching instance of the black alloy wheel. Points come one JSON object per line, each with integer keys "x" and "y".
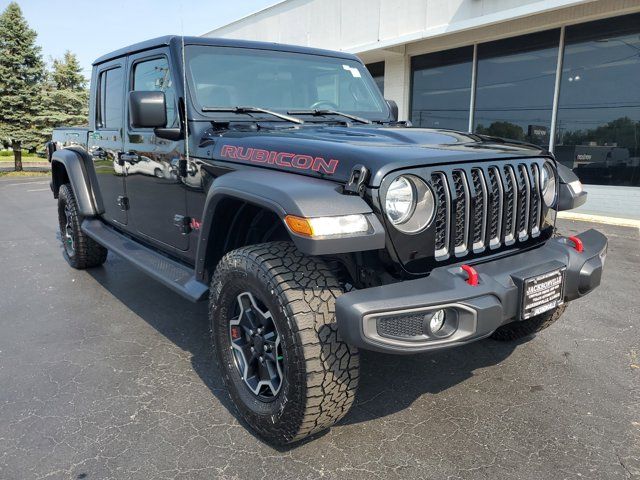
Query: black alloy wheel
{"x": 256, "y": 347}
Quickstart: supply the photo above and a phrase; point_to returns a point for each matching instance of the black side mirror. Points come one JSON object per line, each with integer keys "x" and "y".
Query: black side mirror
{"x": 394, "y": 109}
{"x": 147, "y": 109}
{"x": 570, "y": 192}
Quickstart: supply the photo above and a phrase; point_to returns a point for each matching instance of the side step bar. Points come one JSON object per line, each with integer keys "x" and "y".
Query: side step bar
{"x": 177, "y": 277}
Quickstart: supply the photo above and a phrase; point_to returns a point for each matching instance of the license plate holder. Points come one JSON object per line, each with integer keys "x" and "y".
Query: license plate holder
{"x": 542, "y": 293}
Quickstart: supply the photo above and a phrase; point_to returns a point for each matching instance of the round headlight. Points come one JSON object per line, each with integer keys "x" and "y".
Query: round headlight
{"x": 400, "y": 200}
{"x": 548, "y": 184}
{"x": 409, "y": 204}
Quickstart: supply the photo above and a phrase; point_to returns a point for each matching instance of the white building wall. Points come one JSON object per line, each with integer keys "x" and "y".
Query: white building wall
{"x": 361, "y": 25}
{"x": 395, "y": 30}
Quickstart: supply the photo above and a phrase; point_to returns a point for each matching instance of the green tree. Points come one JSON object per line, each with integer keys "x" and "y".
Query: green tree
{"x": 65, "y": 98}
{"x": 623, "y": 132}
{"x": 21, "y": 73}
{"x": 67, "y": 73}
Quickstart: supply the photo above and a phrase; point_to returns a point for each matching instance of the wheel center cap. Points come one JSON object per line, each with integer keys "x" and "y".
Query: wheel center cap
{"x": 258, "y": 343}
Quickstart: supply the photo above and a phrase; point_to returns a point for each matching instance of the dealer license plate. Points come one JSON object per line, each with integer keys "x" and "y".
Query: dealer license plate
{"x": 542, "y": 293}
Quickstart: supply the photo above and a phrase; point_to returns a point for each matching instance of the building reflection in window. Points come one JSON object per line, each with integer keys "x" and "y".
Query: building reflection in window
{"x": 514, "y": 89}
{"x": 441, "y": 86}
{"x": 598, "y": 128}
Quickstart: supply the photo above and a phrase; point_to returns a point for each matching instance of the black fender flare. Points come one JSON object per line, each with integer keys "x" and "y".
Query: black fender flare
{"x": 78, "y": 168}
{"x": 289, "y": 194}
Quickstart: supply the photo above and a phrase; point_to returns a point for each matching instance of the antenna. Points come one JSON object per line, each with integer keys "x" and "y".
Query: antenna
{"x": 184, "y": 87}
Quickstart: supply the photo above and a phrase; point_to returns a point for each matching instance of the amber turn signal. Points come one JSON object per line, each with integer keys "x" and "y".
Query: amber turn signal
{"x": 299, "y": 225}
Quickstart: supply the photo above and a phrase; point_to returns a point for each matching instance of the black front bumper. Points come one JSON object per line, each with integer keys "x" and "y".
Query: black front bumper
{"x": 480, "y": 309}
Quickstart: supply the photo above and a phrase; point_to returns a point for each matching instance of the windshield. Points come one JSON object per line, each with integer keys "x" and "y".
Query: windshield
{"x": 281, "y": 81}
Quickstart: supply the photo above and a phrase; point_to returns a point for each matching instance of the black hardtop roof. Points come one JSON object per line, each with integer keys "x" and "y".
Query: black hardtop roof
{"x": 219, "y": 42}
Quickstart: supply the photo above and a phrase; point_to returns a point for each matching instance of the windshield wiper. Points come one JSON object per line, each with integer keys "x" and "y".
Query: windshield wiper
{"x": 253, "y": 110}
{"x": 320, "y": 113}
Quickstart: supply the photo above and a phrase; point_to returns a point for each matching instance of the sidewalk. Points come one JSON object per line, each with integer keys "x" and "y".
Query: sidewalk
{"x": 610, "y": 201}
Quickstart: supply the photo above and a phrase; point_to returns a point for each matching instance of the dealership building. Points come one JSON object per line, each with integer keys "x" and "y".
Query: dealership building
{"x": 563, "y": 74}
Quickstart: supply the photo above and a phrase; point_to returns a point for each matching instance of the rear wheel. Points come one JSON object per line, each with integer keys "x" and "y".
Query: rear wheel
{"x": 80, "y": 251}
{"x": 517, "y": 330}
{"x": 272, "y": 313}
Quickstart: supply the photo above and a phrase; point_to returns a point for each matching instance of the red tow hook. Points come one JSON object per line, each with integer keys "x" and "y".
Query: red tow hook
{"x": 472, "y": 275}
{"x": 577, "y": 244}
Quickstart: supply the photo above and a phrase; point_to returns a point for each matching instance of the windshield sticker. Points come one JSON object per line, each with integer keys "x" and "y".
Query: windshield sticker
{"x": 354, "y": 71}
{"x": 280, "y": 159}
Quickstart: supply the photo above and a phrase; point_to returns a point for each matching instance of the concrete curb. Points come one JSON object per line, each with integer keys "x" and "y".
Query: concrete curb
{"x": 584, "y": 217}
{"x": 26, "y": 168}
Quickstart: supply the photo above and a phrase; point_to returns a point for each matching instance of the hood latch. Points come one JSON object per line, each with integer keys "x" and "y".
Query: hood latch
{"x": 357, "y": 180}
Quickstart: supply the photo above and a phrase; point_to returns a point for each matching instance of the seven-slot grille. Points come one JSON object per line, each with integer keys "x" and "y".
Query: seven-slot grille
{"x": 480, "y": 207}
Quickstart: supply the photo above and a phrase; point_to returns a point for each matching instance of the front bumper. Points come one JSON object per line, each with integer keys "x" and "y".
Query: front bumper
{"x": 480, "y": 309}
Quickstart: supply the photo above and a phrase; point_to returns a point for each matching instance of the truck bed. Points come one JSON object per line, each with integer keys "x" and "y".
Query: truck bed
{"x": 70, "y": 137}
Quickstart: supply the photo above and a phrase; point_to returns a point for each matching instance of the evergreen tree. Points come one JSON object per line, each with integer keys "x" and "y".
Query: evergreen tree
{"x": 65, "y": 98}
{"x": 21, "y": 73}
{"x": 67, "y": 73}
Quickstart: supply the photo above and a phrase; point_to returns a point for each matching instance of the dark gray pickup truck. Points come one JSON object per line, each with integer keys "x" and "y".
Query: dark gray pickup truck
{"x": 275, "y": 182}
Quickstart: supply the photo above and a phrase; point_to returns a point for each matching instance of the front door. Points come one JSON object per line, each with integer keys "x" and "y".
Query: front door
{"x": 155, "y": 191}
{"x": 105, "y": 142}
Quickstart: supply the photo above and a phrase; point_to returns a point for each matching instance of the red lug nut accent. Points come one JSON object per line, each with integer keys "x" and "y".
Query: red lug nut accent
{"x": 472, "y": 275}
{"x": 577, "y": 244}
{"x": 235, "y": 332}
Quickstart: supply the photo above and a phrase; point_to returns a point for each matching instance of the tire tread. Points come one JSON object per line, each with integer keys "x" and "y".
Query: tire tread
{"x": 307, "y": 290}
{"x": 88, "y": 253}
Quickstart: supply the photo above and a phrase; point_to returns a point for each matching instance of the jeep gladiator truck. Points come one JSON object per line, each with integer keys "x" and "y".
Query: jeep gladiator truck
{"x": 276, "y": 182}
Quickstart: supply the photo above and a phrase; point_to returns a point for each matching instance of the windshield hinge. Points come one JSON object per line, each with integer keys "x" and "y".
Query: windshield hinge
{"x": 357, "y": 180}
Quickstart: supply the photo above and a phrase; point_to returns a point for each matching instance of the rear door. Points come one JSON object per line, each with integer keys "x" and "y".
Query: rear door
{"x": 105, "y": 142}
{"x": 155, "y": 190}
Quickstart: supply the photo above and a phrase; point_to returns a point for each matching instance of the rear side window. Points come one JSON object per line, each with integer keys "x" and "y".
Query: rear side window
{"x": 154, "y": 75}
{"x": 110, "y": 99}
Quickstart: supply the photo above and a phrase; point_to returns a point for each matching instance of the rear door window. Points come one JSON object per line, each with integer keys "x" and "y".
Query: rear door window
{"x": 111, "y": 99}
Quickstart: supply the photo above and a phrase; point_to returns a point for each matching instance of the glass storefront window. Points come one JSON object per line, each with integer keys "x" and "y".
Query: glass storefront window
{"x": 598, "y": 127}
{"x": 514, "y": 87}
{"x": 441, "y": 89}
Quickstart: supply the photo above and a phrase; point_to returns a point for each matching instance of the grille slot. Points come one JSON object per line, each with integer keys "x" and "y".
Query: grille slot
{"x": 480, "y": 207}
{"x": 480, "y": 210}
{"x": 511, "y": 205}
{"x": 461, "y": 226}
{"x": 443, "y": 205}
{"x": 536, "y": 203}
{"x": 524, "y": 201}
{"x": 496, "y": 200}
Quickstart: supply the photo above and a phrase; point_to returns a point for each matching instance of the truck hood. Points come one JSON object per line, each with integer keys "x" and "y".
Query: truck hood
{"x": 331, "y": 152}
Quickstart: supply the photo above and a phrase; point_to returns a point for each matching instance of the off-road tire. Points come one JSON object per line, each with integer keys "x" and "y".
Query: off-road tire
{"x": 517, "y": 330}
{"x": 87, "y": 253}
{"x": 320, "y": 371}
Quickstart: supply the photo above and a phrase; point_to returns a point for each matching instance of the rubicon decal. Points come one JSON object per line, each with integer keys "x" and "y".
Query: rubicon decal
{"x": 281, "y": 159}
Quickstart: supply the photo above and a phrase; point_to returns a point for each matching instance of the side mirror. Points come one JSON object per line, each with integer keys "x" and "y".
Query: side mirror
{"x": 147, "y": 109}
{"x": 570, "y": 192}
{"x": 394, "y": 109}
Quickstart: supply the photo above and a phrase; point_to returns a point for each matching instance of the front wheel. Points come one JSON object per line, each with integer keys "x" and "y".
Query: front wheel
{"x": 272, "y": 313}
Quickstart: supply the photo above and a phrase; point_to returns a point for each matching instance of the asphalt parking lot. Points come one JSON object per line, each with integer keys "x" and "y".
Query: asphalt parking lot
{"x": 105, "y": 374}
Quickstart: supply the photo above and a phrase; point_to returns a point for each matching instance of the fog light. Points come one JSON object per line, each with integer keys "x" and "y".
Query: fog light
{"x": 437, "y": 321}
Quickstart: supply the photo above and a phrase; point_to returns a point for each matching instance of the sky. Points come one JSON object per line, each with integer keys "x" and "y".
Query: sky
{"x": 91, "y": 28}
